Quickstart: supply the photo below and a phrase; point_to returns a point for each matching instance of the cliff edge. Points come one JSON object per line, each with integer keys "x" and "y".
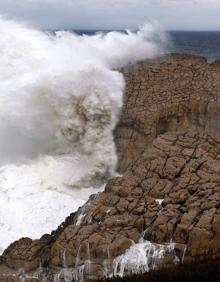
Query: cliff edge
{"x": 166, "y": 206}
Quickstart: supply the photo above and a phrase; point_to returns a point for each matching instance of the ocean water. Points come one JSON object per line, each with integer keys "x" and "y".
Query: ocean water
{"x": 60, "y": 99}
{"x": 204, "y": 43}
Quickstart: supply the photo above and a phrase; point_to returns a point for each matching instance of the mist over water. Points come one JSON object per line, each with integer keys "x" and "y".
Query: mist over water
{"x": 60, "y": 99}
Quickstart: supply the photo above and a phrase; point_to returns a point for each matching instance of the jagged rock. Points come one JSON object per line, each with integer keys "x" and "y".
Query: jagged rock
{"x": 169, "y": 135}
{"x": 189, "y": 215}
{"x": 173, "y": 94}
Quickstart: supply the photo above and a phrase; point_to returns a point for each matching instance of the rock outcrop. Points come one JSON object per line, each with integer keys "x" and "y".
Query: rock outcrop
{"x": 168, "y": 141}
{"x": 176, "y": 92}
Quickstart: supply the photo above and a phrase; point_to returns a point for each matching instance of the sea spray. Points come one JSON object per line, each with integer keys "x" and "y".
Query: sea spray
{"x": 142, "y": 257}
{"x": 60, "y": 99}
{"x": 139, "y": 258}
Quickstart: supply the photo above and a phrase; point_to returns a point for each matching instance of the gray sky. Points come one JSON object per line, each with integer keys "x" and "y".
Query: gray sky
{"x": 107, "y": 14}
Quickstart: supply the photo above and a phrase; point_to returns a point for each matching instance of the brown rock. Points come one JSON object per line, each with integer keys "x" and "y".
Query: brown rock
{"x": 169, "y": 147}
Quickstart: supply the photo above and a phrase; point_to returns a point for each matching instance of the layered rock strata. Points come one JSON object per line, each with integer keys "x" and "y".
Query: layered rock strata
{"x": 175, "y": 92}
{"x": 169, "y": 147}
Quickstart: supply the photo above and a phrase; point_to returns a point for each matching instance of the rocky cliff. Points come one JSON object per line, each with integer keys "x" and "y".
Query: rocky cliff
{"x": 166, "y": 206}
{"x": 176, "y": 92}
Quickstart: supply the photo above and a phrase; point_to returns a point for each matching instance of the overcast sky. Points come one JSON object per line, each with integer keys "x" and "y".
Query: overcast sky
{"x": 116, "y": 14}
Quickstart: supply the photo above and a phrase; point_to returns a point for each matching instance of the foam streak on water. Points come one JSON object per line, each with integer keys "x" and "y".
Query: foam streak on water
{"x": 60, "y": 99}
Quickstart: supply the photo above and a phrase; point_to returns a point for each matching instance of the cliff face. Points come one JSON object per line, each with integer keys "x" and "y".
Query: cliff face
{"x": 168, "y": 140}
{"x": 175, "y": 93}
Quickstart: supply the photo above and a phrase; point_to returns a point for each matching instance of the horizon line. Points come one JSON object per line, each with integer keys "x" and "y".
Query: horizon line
{"x": 124, "y": 29}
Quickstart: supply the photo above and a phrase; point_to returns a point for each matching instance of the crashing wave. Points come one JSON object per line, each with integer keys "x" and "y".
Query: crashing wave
{"x": 60, "y": 99}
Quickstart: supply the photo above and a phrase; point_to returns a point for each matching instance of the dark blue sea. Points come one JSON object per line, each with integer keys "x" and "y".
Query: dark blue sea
{"x": 204, "y": 43}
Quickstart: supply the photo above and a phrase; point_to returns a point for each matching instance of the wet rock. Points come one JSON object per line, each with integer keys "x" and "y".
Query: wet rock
{"x": 168, "y": 143}
{"x": 190, "y": 217}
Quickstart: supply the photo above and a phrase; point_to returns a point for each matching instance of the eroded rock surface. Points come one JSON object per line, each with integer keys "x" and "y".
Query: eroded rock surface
{"x": 177, "y": 92}
{"x": 170, "y": 191}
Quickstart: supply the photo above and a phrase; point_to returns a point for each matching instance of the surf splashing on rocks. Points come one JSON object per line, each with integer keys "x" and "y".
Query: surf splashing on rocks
{"x": 60, "y": 99}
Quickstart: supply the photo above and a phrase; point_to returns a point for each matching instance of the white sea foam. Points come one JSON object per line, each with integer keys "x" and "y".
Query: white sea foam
{"x": 60, "y": 99}
{"x": 142, "y": 257}
{"x": 139, "y": 258}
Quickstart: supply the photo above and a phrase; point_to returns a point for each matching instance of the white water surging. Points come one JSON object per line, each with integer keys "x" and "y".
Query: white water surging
{"x": 60, "y": 99}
